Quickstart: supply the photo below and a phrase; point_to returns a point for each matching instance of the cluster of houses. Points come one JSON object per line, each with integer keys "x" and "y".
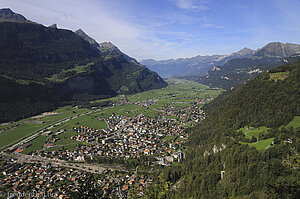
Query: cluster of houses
{"x": 88, "y": 135}
{"x": 37, "y": 180}
{"x": 48, "y": 181}
{"x": 126, "y": 137}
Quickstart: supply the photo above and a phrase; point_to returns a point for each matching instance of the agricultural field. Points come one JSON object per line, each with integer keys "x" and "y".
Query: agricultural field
{"x": 64, "y": 139}
{"x": 127, "y": 110}
{"x": 36, "y": 144}
{"x": 30, "y": 125}
{"x": 178, "y": 87}
{"x": 295, "y": 123}
{"x": 260, "y": 145}
{"x": 249, "y": 133}
{"x": 263, "y": 144}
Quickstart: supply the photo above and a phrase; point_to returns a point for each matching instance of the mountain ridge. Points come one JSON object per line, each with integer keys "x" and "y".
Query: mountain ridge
{"x": 194, "y": 65}
{"x": 7, "y": 15}
{"x": 82, "y": 34}
{"x": 237, "y": 71}
{"x": 44, "y": 67}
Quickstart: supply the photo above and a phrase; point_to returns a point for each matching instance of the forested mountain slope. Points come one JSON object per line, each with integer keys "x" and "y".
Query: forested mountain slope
{"x": 218, "y": 144}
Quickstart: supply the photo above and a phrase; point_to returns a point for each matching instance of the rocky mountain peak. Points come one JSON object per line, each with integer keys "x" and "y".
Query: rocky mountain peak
{"x": 110, "y": 46}
{"x": 82, "y": 34}
{"x": 277, "y": 49}
{"x": 53, "y": 26}
{"x": 7, "y": 15}
{"x": 246, "y": 51}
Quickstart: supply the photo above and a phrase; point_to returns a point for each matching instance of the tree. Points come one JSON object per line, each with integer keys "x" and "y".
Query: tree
{"x": 87, "y": 189}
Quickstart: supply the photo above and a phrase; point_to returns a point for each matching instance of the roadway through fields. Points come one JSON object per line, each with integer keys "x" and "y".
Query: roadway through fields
{"x": 38, "y": 132}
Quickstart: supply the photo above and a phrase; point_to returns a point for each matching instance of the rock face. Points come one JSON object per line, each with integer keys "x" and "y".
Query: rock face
{"x": 277, "y": 49}
{"x": 43, "y": 67}
{"x": 87, "y": 38}
{"x": 53, "y": 26}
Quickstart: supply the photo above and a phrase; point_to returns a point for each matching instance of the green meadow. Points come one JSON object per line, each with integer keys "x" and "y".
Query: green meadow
{"x": 260, "y": 145}
{"x": 127, "y": 110}
{"x": 279, "y": 76}
{"x": 255, "y": 132}
{"x": 28, "y": 126}
{"x": 295, "y": 123}
{"x": 36, "y": 144}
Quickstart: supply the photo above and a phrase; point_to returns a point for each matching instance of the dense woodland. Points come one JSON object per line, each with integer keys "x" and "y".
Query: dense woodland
{"x": 249, "y": 173}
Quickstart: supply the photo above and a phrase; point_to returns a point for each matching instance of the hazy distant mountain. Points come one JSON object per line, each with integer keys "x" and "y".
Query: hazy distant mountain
{"x": 7, "y": 15}
{"x": 198, "y": 65}
{"x": 237, "y": 71}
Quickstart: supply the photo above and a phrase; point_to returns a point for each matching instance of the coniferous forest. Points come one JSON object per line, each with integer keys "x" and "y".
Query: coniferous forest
{"x": 215, "y": 144}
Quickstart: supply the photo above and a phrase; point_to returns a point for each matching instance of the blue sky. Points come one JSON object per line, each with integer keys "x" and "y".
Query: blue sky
{"x": 163, "y": 29}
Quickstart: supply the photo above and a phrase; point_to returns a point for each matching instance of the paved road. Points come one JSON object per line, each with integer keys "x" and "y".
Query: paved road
{"x": 40, "y": 131}
{"x": 22, "y": 158}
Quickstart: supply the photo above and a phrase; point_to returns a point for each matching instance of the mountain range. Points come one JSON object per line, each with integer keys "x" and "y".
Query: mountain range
{"x": 43, "y": 67}
{"x": 236, "y": 71}
{"x": 198, "y": 65}
{"x": 228, "y": 71}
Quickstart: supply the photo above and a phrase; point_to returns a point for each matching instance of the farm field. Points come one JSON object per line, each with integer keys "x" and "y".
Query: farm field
{"x": 250, "y": 132}
{"x": 295, "y": 123}
{"x": 254, "y": 132}
{"x": 64, "y": 139}
{"x": 178, "y": 87}
{"x": 127, "y": 110}
{"x": 36, "y": 144}
{"x": 28, "y": 126}
{"x": 260, "y": 145}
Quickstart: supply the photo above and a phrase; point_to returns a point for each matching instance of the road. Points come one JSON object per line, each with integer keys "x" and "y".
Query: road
{"x": 38, "y": 132}
{"x": 23, "y": 158}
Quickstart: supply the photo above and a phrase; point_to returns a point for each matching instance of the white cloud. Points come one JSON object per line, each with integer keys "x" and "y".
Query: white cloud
{"x": 211, "y": 25}
{"x": 191, "y": 4}
{"x": 103, "y": 23}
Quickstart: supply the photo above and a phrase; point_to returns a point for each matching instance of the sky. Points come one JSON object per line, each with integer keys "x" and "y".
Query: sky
{"x": 165, "y": 29}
